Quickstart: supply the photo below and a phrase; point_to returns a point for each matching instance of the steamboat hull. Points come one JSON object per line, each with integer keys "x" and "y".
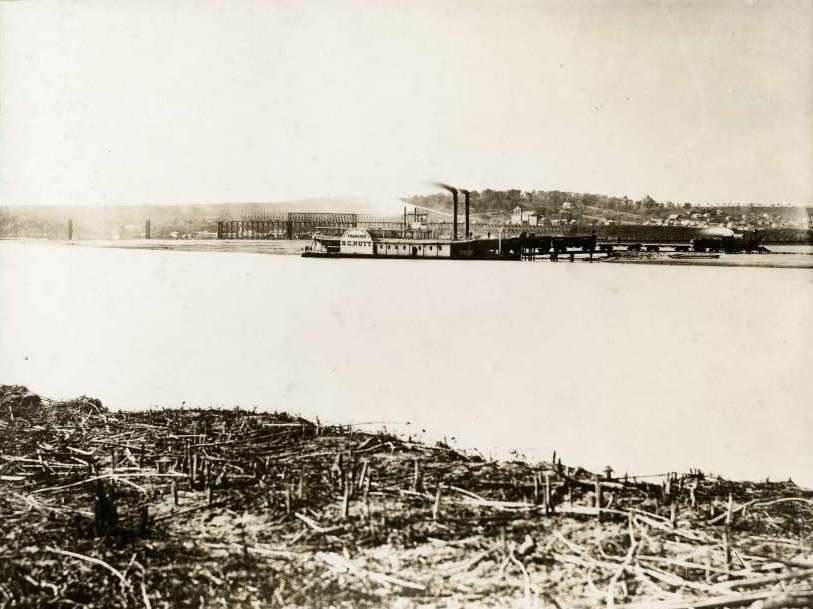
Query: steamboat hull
{"x": 487, "y": 256}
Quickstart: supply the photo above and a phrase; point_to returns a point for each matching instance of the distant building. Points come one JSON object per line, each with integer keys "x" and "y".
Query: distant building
{"x": 519, "y": 217}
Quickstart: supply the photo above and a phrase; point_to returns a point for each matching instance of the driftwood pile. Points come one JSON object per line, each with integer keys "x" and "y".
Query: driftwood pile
{"x": 232, "y": 508}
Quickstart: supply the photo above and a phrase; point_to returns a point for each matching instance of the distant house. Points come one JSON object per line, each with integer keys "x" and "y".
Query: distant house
{"x": 519, "y": 217}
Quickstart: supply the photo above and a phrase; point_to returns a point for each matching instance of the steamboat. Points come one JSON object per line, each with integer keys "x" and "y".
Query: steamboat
{"x": 416, "y": 239}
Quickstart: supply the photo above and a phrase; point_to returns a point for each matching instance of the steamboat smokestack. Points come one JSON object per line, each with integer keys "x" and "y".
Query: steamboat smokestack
{"x": 452, "y": 190}
{"x": 466, "y": 195}
{"x": 454, "y": 205}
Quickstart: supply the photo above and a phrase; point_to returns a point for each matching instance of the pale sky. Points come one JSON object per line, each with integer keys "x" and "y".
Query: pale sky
{"x": 193, "y": 102}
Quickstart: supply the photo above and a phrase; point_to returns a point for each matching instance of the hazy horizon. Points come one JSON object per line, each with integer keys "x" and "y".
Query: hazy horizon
{"x": 121, "y": 102}
{"x": 365, "y": 204}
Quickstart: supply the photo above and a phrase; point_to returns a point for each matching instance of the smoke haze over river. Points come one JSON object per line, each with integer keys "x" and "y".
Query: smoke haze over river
{"x": 647, "y": 369}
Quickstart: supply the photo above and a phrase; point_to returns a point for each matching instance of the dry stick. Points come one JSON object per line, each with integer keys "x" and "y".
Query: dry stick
{"x": 761, "y": 581}
{"x": 363, "y": 473}
{"x": 627, "y": 560}
{"x": 119, "y": 479}
{"x": 342, "y": 564}
{"x": 598, "y": 498}
{"x": 346, "y": 500}
{"x": 366, "y": 495}
{"x": 787, "y": 563}
{"x": 643, "y": 558}
{"x": 95, "y": 561}
{"x": 775, "y": 501}
{"x": 144, "y": 596}
{"x": 725, "y": 514}
{"x": 528, "y": 583}
{"x": 350, "y": 482}
{"x": 436, "y": 506}
{"x": 728, "y": 600}
{"x": 86, "y": 480}
{"x": 189, "y": 510}
{"x": 194, "y": 473}
{"x": 145, "y": 520}
{"x": 548, "y": 496}
{"x": 726, "y": 533}
{"x": 337, "y": 470}
{"x": 536, "y": 487}
{"x": 315, "y": 526}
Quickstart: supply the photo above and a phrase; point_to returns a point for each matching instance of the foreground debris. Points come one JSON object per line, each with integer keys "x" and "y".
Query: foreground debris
{"x": 230, "y": 508}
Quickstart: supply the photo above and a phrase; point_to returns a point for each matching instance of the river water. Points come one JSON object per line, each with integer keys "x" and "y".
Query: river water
{"x": 645, "y": 368}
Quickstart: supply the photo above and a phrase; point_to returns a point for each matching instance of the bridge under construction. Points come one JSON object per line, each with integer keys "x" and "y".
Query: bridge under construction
{"x": 303, "y": 225}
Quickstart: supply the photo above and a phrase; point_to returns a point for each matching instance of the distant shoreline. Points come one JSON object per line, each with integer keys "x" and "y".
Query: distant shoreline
{"x": 775, "y": 260}
{"x": 275, "y": 246}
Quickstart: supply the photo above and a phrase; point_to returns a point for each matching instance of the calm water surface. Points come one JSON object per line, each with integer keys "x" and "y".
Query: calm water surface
{"x": 647, "y": 368}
